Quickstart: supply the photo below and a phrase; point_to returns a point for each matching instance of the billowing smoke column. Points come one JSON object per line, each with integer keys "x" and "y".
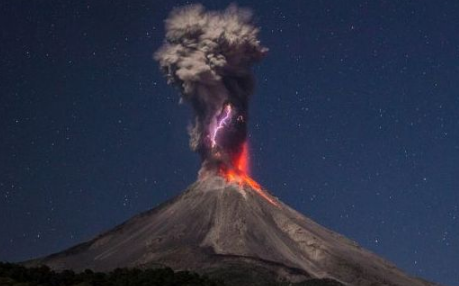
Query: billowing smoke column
{"x": 209, "y": 56}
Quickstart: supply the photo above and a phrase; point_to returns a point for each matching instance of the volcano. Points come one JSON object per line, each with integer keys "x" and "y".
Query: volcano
{"x": 230, "y": 230}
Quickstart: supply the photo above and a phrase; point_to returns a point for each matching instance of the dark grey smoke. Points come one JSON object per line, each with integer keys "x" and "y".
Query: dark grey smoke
{"x": 209, "y": 56}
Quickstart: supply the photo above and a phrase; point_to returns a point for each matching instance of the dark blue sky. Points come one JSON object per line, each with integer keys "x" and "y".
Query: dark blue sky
{"x": 355, "y": 122}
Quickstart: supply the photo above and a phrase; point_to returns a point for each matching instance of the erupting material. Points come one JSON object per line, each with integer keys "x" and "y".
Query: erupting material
{"x": 209, "y": 55}
{"x": 240, "y": 175}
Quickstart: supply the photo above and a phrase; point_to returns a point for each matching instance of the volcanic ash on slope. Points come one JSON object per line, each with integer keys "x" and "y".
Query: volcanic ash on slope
{"x": 216, "y": 227}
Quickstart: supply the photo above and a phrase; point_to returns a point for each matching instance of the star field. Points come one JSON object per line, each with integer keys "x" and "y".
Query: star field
{"x": 354, "y": 123}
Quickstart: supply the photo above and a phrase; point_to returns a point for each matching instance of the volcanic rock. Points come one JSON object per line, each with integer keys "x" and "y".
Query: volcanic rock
{"x": 230, "y": 231}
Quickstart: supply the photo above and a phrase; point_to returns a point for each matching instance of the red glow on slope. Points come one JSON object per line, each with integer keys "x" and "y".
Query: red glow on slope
{"x": 240, "y": 175}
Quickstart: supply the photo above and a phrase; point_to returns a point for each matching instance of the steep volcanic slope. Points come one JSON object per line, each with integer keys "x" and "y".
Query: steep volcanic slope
{"x": 217, "y": 227}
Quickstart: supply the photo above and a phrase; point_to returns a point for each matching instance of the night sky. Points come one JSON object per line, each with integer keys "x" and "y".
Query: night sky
{"x": 355, "y": 122}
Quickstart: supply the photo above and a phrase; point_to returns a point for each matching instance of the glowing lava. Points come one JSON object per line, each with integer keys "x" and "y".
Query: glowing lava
{"x": 240, "y": 175}
{"x": 238, "y": 170}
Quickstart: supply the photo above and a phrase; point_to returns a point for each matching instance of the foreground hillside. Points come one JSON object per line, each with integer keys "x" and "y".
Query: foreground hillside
{"x": 17, "y": 275}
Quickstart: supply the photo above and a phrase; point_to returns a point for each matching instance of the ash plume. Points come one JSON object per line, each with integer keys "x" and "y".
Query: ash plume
{"x": 208, "y": 55}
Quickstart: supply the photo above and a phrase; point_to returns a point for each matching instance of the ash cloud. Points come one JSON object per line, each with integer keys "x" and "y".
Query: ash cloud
{"x": 208, "y": 55}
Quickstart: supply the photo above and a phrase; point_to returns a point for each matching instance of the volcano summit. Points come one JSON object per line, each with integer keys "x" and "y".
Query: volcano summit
{"x": 227, "y": 230}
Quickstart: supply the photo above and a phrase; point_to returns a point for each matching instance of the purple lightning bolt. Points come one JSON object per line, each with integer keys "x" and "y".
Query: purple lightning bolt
{"x": 221, "y": 124}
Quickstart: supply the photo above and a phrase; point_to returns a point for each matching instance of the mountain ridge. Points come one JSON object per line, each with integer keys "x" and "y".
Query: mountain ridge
{"x": 215, "y": 225}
